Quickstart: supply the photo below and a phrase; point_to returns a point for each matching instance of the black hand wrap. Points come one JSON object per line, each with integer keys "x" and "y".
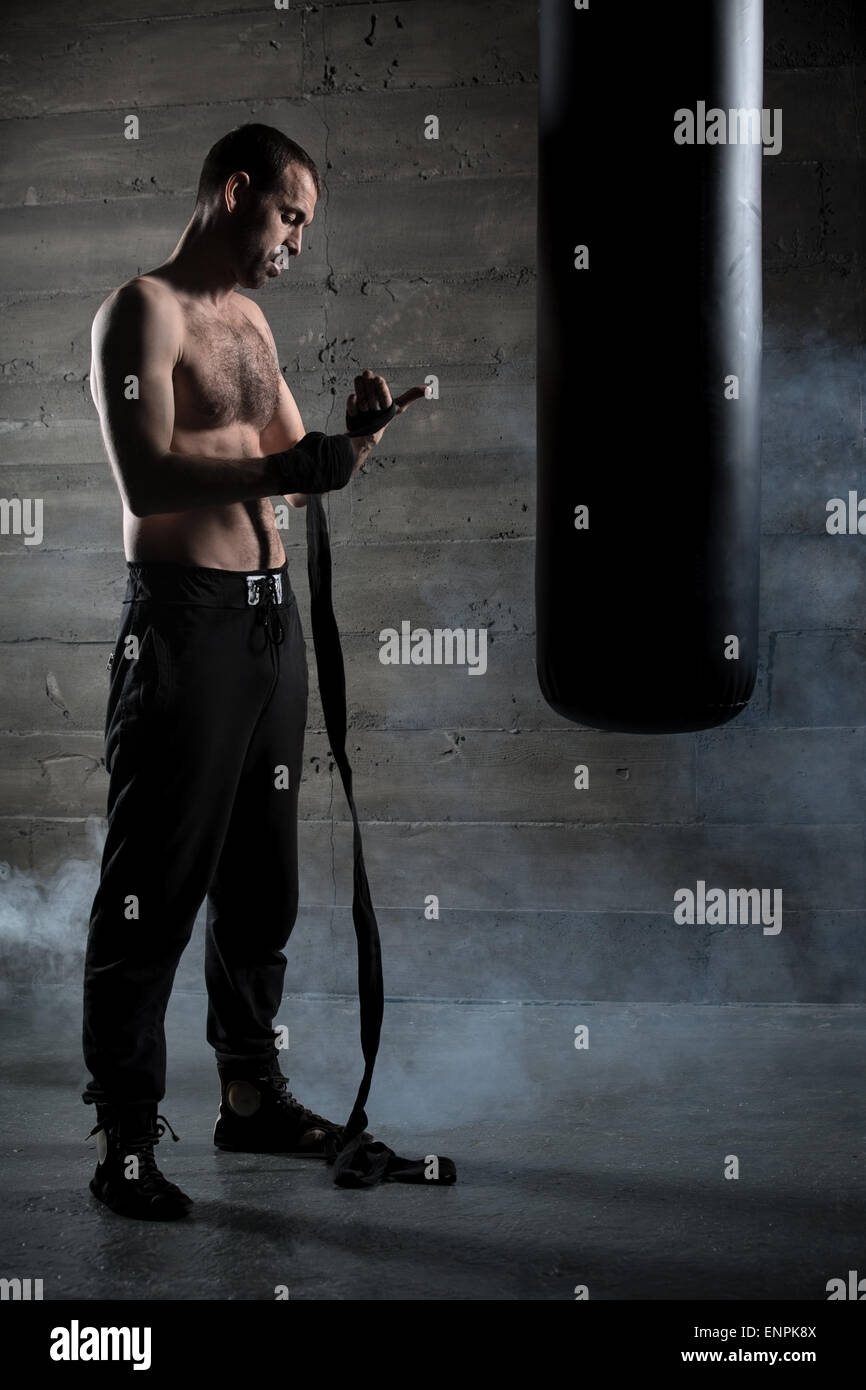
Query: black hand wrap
{"x": 369, "y": 421}
{"x": 319, "y": 463}
{"x": 358, "y": 1162}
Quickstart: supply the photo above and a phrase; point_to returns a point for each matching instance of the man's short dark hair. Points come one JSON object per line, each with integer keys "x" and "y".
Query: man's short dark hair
{"x": 261, "y": 151}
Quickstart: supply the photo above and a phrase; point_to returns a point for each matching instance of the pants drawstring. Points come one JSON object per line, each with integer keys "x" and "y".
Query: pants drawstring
{"x": 268, "y": 613}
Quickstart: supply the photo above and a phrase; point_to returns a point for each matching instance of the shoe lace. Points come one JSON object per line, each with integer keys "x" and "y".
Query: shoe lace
{"x": 287, "y": 1098}
{"x": 142, "y": 1145}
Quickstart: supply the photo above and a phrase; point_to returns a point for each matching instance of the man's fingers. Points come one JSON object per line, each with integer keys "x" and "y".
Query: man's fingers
{"x": 413, "y": 394}
{"x": 361, "y": 392}
{"x": 372, "y": 393}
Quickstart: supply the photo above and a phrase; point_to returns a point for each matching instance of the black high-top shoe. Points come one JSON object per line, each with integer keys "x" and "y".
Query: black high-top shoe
{"x": 259, "y": 1114}
{"x": 127, "y": 1178}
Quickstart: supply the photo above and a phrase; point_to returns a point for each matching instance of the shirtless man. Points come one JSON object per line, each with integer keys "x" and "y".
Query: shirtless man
{"x": 208, "y": 689}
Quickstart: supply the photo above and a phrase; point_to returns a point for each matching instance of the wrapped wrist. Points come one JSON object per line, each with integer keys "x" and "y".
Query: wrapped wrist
{"x": 318, "y": 463}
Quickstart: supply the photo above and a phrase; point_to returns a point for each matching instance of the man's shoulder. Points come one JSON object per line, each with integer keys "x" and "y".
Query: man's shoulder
{"x": 140, "y": 296}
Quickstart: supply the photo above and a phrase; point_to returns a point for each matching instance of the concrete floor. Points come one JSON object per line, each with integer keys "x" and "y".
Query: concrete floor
{"x": 602, "y": 1166}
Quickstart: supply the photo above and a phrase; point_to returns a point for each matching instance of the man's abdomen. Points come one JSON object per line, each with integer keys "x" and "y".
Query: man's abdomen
{"x": 242, "y": 536}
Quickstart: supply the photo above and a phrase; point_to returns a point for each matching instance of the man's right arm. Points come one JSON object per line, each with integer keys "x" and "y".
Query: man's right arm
{"x": 136, "y": 345}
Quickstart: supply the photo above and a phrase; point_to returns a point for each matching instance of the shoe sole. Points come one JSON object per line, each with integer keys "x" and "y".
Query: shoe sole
{"x": 153, "y": 1215}
{"x": 264, "y": 1149}
{"x": 261, "y": 1149}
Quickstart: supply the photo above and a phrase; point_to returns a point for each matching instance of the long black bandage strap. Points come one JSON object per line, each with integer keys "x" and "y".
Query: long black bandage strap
{"x": 369, "y": 421}
{"x": 357, "y": 1163}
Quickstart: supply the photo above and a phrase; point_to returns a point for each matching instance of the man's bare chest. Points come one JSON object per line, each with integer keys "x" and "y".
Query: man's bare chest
{"x": 227, "y": 375}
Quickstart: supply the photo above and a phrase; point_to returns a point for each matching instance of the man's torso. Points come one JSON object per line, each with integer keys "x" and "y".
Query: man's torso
{"x": 226, "y": 387}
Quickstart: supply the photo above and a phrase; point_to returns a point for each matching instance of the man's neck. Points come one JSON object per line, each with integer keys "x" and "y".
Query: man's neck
{"x": 200, "y": 264}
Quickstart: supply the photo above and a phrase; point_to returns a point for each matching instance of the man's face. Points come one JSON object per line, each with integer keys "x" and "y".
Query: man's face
{"x": 269, "y": 227}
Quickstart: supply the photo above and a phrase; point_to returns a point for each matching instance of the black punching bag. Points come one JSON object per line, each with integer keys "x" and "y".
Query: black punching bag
{"x": 649, "y": 354}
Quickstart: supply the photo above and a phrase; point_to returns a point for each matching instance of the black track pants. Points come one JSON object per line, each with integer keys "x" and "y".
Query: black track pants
{"x": 204, "y": 743}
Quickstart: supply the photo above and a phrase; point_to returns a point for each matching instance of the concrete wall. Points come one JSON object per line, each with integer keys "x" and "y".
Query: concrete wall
{"x": 421, "y": 260}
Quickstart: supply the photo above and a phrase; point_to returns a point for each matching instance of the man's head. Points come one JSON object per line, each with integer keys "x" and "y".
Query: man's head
{"x": 259, "y": 190}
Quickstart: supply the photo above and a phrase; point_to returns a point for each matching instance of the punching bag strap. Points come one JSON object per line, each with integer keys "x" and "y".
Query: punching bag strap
{"x": 357, "y": 1163}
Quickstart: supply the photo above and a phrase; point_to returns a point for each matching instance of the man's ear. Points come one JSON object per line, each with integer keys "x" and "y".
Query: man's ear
{"x": 236, "y": 190}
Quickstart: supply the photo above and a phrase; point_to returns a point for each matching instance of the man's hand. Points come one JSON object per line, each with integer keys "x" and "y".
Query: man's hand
{"x": 372, "y": 393}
